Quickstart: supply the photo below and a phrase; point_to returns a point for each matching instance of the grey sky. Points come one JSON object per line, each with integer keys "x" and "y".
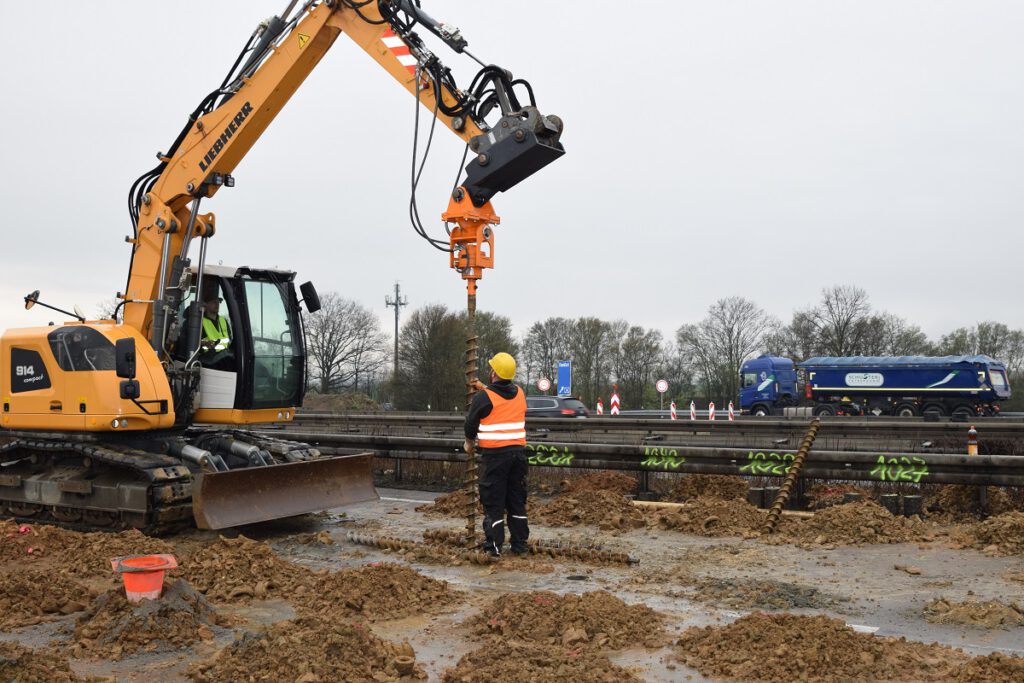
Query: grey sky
{"x": 765, "y": 149}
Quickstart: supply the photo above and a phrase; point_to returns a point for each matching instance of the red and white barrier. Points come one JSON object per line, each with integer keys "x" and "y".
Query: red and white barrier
{"x": 600, "y": 406}
{"x": 615, "y": 402}
{"x": 732, "y": 415}
{"x": 711, "y": 412}
{"x": 693, "y": 411}
{"x": 672, "y": 410}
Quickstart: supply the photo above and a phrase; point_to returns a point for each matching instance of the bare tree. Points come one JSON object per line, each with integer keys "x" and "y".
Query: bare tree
{"x": 886, "y": 334}
{"x": 431, "y": 352}
{"x": 546, "y": 343}
{"x": 637, "y": 357}
{"x": 843, "y": 319}
{"x": 344, "y": 341}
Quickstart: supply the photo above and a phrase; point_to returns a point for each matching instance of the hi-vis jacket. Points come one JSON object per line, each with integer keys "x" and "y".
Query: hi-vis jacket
{"x": 217, "y": 332}
{"x": 497, "y": 417}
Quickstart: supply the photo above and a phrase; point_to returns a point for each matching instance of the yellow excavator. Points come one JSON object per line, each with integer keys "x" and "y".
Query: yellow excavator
{"x": 144, "y": 420}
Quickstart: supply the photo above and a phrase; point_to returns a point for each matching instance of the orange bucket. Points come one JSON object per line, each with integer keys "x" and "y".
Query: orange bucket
{"x": 143, "y": 575}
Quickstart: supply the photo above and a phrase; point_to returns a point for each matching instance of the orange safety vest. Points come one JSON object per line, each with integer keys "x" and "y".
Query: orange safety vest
{"x": 506, "y": 425}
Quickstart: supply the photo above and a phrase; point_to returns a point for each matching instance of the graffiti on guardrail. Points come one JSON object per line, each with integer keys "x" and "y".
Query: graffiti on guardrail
{"x": 658, "y": 458}
{"x": 767, "y": 464}
{"x": 900, "y": 469}
{"x": 550, "y": 456}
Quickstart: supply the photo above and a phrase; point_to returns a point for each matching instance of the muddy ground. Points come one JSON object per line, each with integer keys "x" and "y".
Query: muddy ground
{"x": 278, "y": 602}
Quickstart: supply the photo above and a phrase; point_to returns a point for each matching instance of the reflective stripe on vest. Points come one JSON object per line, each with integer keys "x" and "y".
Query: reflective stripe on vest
{"x": 506, "y": 425}
{"x": 217, "y": 332}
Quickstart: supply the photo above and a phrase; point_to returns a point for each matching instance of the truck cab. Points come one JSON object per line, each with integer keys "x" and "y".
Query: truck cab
{"x": 767, "y": 382}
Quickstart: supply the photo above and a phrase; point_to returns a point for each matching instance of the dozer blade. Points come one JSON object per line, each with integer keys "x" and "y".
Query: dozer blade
{"x": 257, "y": 494}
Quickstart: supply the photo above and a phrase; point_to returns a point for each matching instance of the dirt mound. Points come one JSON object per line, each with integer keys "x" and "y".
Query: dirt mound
{"x": 992, "y": 668}
{"x": 708, "y": 486}
{"x": 710, "y": 517}
{"x": 239, "y": 569}
{"x": 604, "y": 509}
{"x": 960, "y": 503}
{"x": 601, "y": 480}
{"x": 761, "y": 594}
{"x": 377, "y": 591}
{"x": 114, "y": 627}
{"x": 1003, "y": 534}
{"x": 30, "y": 596}
{"x": 451, "y": 504}
{"x": 597, "y": 620}
{"x": 339, "y": 403}
{"x": 822, "y": 496}
{"x": 992, "y": 614}
{"x": 83, "y": 554}
{"x": 311, "y": 650}
{"x": 503, "y": 662}
{"x": 789, "y": 647}
{"x": 21, "y": 665}
{"x": 852, "y": 524}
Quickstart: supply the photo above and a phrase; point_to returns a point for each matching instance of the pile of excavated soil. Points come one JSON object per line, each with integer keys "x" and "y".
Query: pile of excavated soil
{"x": 239, "y": 569}
{"x": 83, "y": 554}
{"x": 377, "y": 591}
{"x": 789, "y": 647}
{"x": 761, "y": 594}
{"x": 22, "y": 665}
{"x": 992, "y": 668}
{"x": 311, "y": 650}
{"x": 504, "y": 662}
{"x": 708, "y": 486}
{"x": 710, "y": 517}
{"x": 826, "y": 495}
{"x": 114, "y": 627}
{"x": 605, "y": 509}
{"x": 30, "y": 596}
{"x": 1003, "y": 534}
{"x": 960, "y": 503}
{"x": 991, "y": 614}
{"x": 451, "y": 504}
{"x": 852, "y": 524}
{"x": 601, "y": 480}
{"x": 592, "y": 621}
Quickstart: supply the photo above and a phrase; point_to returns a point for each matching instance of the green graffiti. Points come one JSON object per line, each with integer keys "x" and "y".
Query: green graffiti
{"x": 767, "y": 464}
{"x": 911, "y": 469}
{"x": 550, "y": 456}
{"x": 657, "y": 458}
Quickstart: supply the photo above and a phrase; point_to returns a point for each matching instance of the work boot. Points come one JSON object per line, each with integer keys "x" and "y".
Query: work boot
{"x": 520, "y": 549}
{"x": 490, "y": 549}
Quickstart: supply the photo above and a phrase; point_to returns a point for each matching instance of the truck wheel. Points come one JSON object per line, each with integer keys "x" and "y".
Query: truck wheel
{"x": 964, "y": 412}
{"x": 759, "y": 411}
{"x": 936, "y": 409}
{"x": 824, "y": 411}
{"x": 906, "y": 410}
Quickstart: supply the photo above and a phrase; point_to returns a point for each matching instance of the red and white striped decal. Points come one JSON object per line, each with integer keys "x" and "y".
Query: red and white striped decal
{"x": 672, "y": 409}
{"x": 600, "y": 407}
{"x": 732, "y": 415}
{"x": 615, "y": 404}
{"x": 711, "y": 411}
{"x": 693, "y": 410}
{"x": 399, "y": 49}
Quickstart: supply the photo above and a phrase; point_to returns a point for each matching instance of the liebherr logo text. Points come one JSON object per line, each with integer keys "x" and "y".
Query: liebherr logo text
{"x": 235, "y": 124}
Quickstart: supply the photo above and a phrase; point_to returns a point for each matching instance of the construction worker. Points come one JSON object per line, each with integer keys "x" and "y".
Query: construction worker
{"x": 216, "y": 331}
{"x": 497, "y": 418}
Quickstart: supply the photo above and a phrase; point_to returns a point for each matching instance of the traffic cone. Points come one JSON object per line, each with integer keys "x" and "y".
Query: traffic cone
{"x": 143, "y": 575}
{"x": 732, "y": 416}
{"x": 672, "y": 409}
{"x": 711, "y": 412}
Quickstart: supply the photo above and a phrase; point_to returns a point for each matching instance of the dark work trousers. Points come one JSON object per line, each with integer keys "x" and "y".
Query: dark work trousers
{"x": 503, "y": 489}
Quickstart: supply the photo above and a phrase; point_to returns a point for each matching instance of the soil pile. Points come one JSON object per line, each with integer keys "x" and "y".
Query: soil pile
{"x": 311, "y": 650}
{"x": 960, "y": 503}
{"x": 21, "y": 665}
{"x": 451, "y": 504}
{"x": 852, "y": 524}
{"x": 1004, "y": 533}
{"x": 592, "y": 621}
{"x": 503, "y": 662}
{"x": 30, "y": 596}
{"x": 993, "y": 614}
{"x": 239, "y": 569}
{"x": 711, "y": 517}
{"x": 790, "y": 647}
{"x": 601, "y": 480}
{"x": 114, "y": 627}
{"x": 991, "y": 668}
{"x": 708, "y": 486}
{"x": 822, "y": 496}
{"x": 604, "y": 509}
{"x": 377, "y": 591}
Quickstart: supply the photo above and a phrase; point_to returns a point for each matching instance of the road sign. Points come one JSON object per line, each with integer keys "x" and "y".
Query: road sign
{"x": 661, "y": 386}
{"x": 543, "y": 384}
{"x": 564, "y": 377}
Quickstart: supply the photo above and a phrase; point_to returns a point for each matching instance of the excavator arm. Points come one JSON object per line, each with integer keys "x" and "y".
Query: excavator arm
{"x": 165, "y": 202}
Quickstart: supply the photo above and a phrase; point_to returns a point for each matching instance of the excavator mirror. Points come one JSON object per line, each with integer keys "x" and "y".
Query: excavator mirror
{"x": 31, "y": 299}
{"x": 310, "y": 297}
{"x": 124, "y": 352}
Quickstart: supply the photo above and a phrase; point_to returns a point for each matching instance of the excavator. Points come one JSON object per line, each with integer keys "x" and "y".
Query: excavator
{"x": 142, "y": 420}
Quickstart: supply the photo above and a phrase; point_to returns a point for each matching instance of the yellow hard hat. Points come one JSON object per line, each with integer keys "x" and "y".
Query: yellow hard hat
{"x": 504, "y": 365}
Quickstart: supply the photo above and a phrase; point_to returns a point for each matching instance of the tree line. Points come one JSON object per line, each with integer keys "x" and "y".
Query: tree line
{"x": 349, "y": 351}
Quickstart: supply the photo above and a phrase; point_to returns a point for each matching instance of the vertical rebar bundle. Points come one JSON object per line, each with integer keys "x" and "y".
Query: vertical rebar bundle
{"x": 471, "y": 379}
{"x": 772, "y": 520}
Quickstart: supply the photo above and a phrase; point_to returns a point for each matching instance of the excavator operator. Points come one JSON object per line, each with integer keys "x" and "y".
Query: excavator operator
{"x": 215, "y": 350}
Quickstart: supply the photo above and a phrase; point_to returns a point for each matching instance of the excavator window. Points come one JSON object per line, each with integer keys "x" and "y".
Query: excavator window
{"x": 276, "y": 345}
{"x": 81, "y": 349}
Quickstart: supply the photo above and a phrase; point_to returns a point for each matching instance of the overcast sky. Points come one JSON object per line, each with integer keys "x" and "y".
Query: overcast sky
{"x": 714, "y": 148}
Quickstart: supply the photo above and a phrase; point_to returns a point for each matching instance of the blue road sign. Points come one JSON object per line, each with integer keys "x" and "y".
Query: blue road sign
{"x": 564, "y": 377}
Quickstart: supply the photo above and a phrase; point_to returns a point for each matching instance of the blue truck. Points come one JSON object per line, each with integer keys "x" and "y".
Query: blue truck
{"x": 905, "y": 386}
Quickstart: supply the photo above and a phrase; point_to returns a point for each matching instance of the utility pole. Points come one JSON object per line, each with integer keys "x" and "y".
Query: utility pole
{"x": 397, "y": 302}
